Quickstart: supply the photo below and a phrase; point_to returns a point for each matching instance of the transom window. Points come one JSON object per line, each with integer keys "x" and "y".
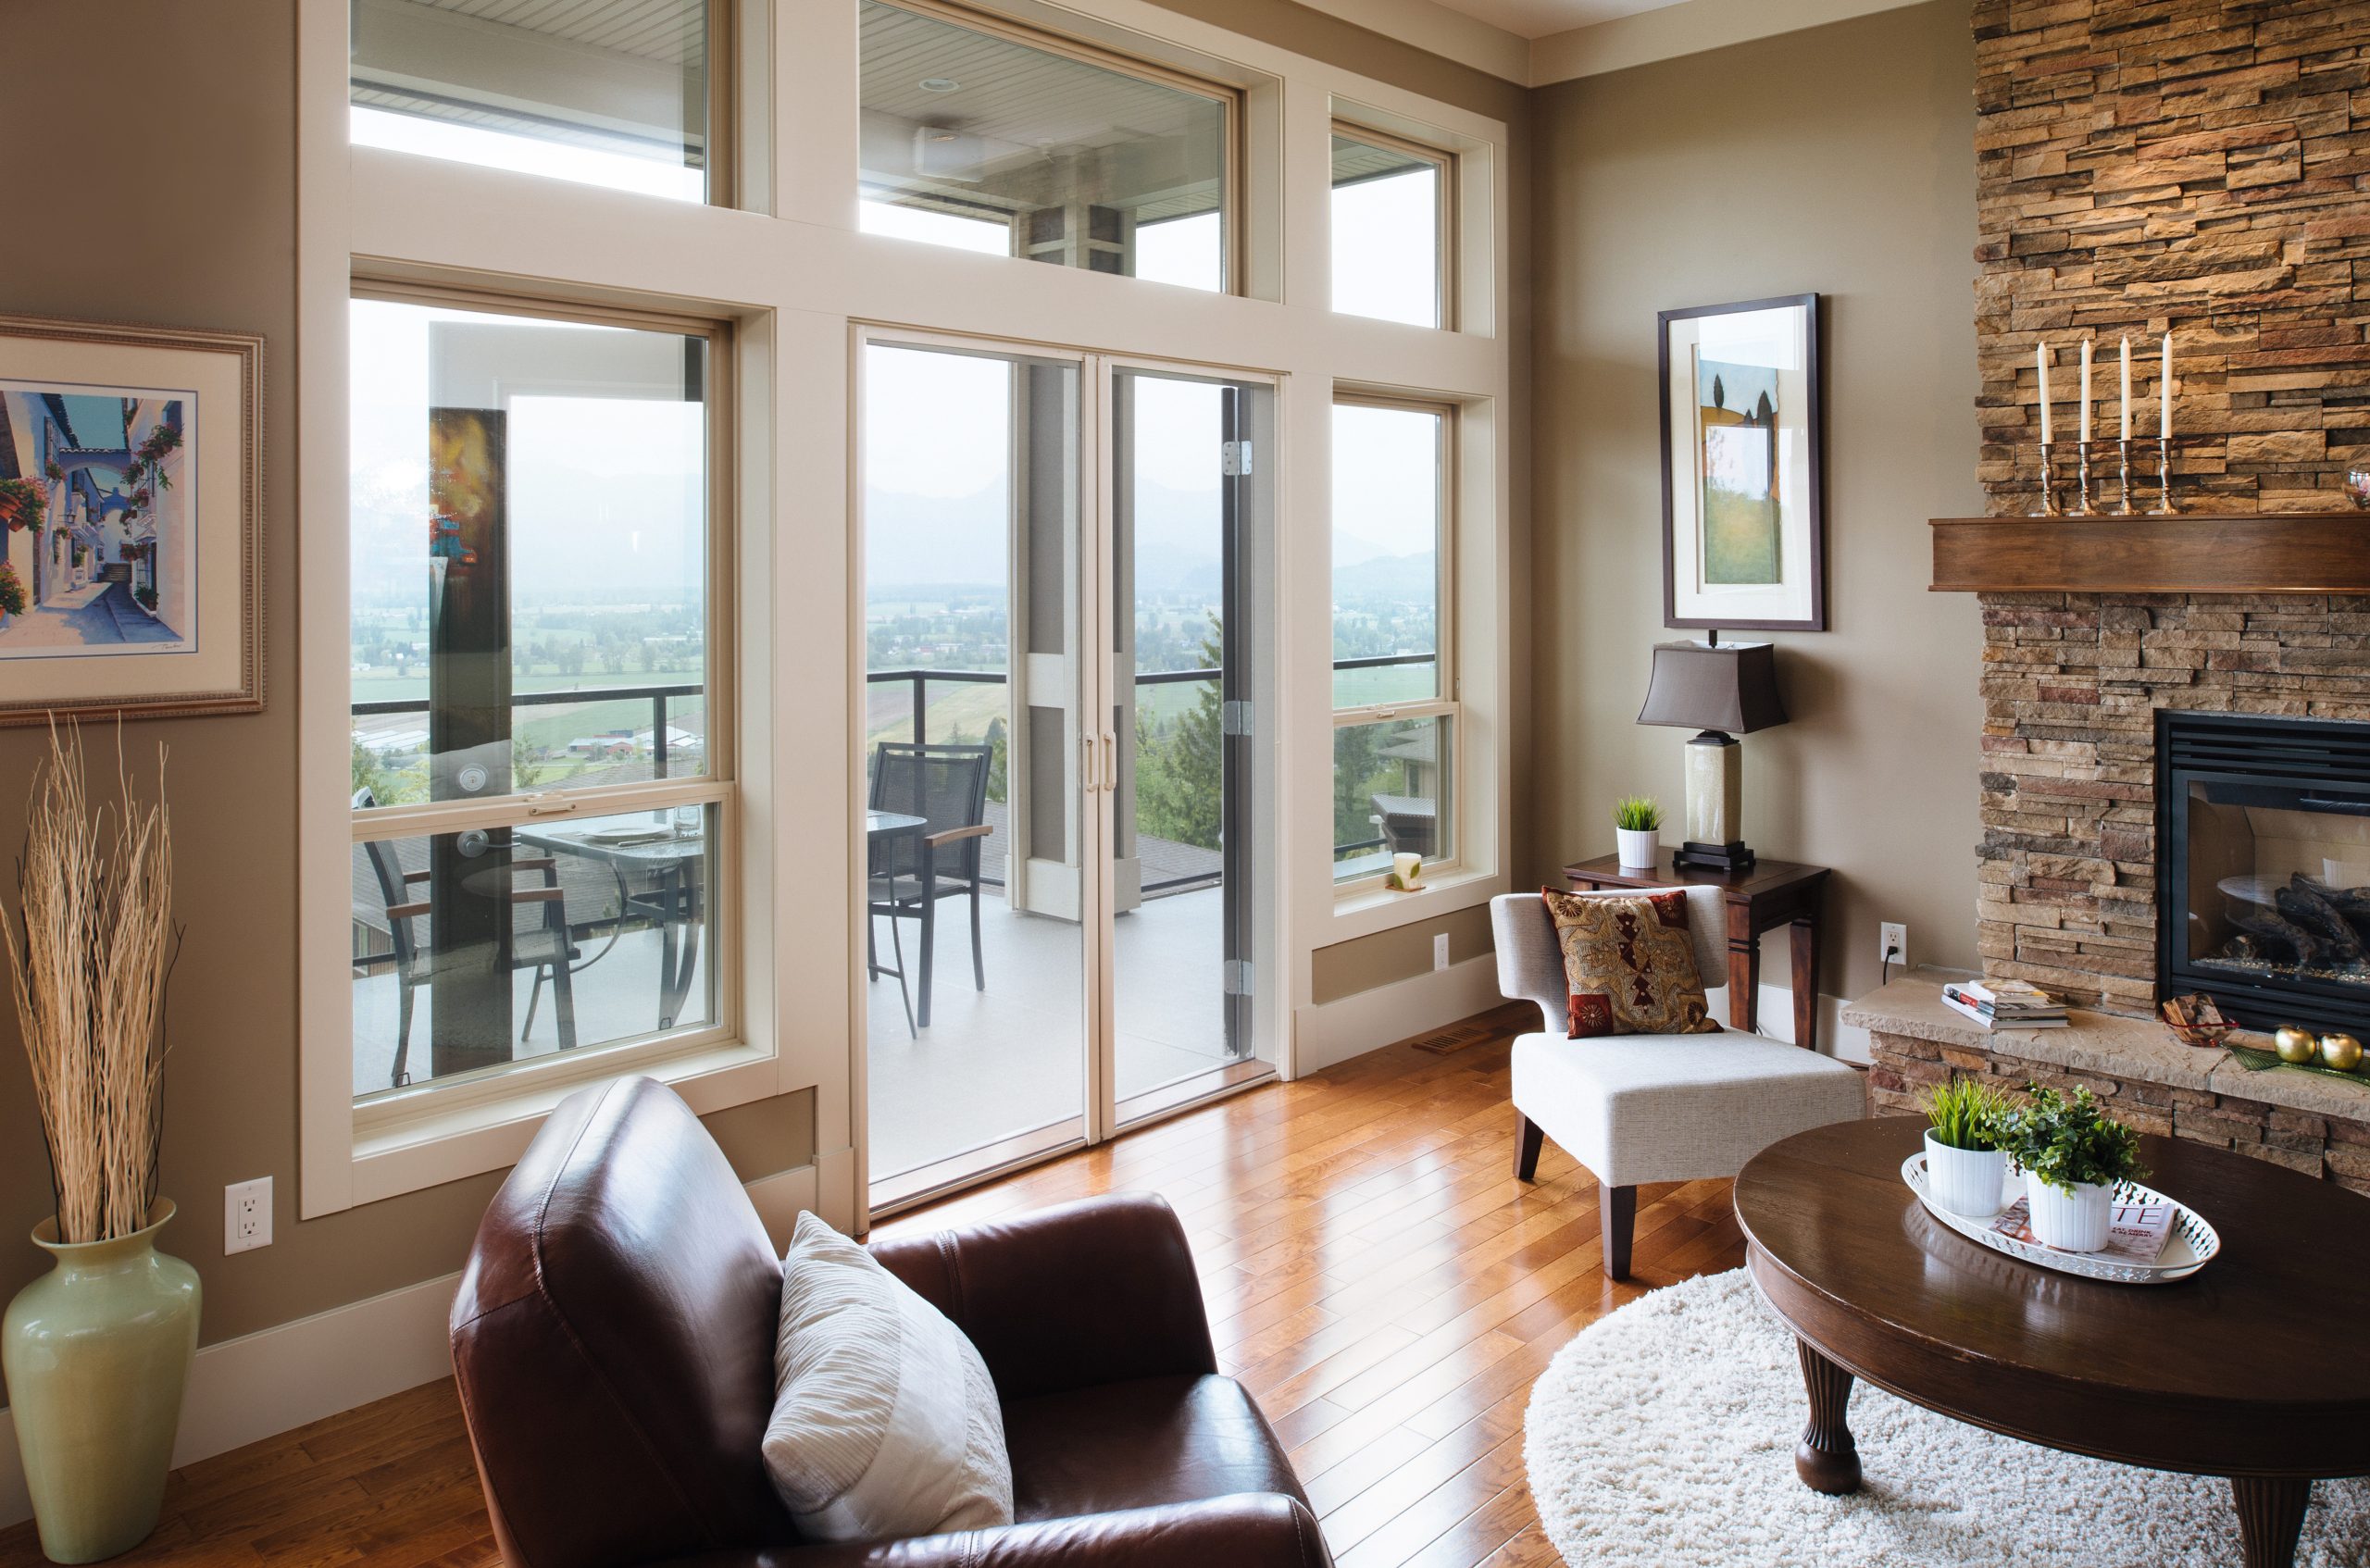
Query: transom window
{"x": 1389, "y": 228}
{"x": 982, "y": 137}
{"x": 539, "y": 769}
{"x": 1394, "y": 684}
{"x": 613, "y": 94}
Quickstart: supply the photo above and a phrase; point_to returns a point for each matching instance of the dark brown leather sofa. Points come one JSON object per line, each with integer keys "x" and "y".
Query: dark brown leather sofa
{"x": 613, "y": 1333}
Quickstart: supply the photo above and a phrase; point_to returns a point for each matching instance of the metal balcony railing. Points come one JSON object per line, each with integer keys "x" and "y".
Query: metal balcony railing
{"x": 918, "y": 679}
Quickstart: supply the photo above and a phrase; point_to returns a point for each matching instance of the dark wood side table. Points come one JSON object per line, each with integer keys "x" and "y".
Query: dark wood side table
{"x": 1774, "y": 893}
{"x": 2241, "y": 1370}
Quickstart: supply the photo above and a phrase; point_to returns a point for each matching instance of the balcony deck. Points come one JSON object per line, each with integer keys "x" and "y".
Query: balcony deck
{"x": 993, "y": 1064}
{"x": 1011, "y": 1059}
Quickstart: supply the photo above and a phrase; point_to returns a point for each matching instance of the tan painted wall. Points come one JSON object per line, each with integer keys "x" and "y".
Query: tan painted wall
{"x": 1346, "y": 969}
{"x": 170, "y": 197}
{"x": 1838, "y": 160}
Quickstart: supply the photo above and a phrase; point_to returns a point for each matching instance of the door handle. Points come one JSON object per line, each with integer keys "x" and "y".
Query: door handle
{"x": 1110, "y": 762}
{"x": 1088, "y": 783}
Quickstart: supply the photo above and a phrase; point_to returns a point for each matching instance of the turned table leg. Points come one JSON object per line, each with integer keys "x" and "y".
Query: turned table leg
{"x": 1827, "y": 1459}
{"x": 2271, "y": 1514}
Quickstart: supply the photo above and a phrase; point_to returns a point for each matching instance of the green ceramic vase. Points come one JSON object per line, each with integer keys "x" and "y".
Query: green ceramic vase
{"x": 97, "y": 1353}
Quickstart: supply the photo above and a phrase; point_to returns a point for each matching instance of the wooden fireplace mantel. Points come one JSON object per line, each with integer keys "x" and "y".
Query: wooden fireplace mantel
{"x": 2188, "y": 553}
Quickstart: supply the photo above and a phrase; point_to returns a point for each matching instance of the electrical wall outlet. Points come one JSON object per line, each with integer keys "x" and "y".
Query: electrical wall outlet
{"x": 246, "y": 1215}
{"x": 1439, "y": 951}
{"x": 1892, "y": 943}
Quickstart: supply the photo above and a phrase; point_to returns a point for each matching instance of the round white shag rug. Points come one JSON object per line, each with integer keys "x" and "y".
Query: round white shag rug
{"x": 1664, "y": 1433}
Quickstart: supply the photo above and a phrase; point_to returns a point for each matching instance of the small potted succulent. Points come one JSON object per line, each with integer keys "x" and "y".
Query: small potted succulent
{"x": 2073, "y": 1155}
{"x": 1965, "y": 1167}
{"x": 1637, "y": 823}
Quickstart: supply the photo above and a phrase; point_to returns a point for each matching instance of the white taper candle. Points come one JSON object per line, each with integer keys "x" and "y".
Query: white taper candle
{"x": 2127, "y": 387}
{"x": 2041, "y": 359}
{"x": 2165, "y": 393}
{"x": 2086, "y": 389}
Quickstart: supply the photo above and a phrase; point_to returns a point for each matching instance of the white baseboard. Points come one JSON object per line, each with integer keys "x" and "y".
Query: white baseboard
{"x": 244, "y": 1391}
{"x": 1369, "y": 1020}
{"x": 1774, "y": 1017}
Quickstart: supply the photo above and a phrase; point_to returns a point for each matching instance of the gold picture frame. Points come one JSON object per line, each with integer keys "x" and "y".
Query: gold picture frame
{"x": 130, "y": 520}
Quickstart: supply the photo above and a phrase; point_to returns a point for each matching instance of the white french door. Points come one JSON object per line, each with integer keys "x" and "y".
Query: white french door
{"x": 1063, "y": 611}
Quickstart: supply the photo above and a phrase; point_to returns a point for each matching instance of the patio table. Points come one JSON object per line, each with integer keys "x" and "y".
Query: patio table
{"x": 675, "y": 899}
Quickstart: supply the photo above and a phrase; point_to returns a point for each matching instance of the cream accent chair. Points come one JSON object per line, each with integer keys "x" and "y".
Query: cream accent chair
{"x": 1642, "y": 1108}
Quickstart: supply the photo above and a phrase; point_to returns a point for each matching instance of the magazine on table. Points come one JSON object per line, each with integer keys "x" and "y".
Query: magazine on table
{"x": 2137, "y": 1233}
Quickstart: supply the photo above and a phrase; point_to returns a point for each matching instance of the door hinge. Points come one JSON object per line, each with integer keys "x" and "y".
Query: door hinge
{"x": 1238, "y": 977}
{"x": 1234, "y": 457}
{"x": 1234, "y": 717}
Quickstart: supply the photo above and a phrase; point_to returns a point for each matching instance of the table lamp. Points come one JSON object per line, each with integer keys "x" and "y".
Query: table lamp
{"x": 1724, "y": 690}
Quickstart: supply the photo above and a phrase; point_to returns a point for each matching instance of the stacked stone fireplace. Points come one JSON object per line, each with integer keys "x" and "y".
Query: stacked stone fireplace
{"x": 2071, "y": 684}
{"x": 2070, "y": 850}
{"x": 2146, "y": 166}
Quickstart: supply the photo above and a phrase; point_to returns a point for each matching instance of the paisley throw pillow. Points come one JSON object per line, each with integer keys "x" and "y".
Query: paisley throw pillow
{"x": 1628, "y": 964}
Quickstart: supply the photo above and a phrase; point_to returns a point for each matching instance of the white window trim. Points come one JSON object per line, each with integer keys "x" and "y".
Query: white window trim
{"x": 794, "y": 271}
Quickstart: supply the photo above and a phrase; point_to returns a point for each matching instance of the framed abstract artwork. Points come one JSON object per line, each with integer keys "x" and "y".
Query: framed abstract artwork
{"x": 1743, "y": 517}
{"x": 130, "y": 507}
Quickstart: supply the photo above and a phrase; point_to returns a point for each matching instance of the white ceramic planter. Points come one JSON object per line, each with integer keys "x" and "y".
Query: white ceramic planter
{"x": 2071, "y": 1223}
{"x": 1965, "y": 1181}
{"x": 1641, "y": 848}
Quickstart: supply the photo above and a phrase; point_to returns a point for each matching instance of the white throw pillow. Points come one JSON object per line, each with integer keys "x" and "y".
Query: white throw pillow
{"x": 885, "y": 1420}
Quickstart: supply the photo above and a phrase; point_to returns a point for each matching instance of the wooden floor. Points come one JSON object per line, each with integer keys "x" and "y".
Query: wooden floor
{"x": 1374, "y": 1273}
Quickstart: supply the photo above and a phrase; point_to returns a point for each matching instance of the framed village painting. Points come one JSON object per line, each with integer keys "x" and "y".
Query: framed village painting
{"x": 1743, "y": 526}
{"x": 129, "y": 520}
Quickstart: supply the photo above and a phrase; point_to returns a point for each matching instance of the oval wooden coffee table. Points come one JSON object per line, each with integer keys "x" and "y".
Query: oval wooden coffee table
{"x": 2252, "y": 1368}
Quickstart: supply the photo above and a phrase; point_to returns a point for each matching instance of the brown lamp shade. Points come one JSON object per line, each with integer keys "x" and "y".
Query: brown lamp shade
{"x": 1726, "y": 686}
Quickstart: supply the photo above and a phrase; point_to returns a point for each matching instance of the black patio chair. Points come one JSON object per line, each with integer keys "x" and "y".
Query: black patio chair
{"x": 946, "y": 785}
{"x": 539, "y": 939}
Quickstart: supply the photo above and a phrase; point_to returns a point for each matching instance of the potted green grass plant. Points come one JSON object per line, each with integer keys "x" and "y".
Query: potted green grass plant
{"x": 1965, "y": 1167}
{"x": 1637, "y": 824}
{"x": 2074, "y": 1156}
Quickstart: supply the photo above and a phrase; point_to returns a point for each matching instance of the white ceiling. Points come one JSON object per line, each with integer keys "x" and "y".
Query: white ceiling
{"x": 1538, "y": 18}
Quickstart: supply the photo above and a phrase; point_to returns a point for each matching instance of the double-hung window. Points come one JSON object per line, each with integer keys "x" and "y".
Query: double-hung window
{"x": 541, "y": 736}
{"x": 1394, "y": 672}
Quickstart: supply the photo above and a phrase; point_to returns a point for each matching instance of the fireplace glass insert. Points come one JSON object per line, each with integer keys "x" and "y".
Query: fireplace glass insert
{"x": 2263, "y": 897}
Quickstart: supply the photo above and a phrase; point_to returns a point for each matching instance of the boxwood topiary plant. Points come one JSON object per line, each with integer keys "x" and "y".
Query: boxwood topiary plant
{"x": 2069, "y": 1142}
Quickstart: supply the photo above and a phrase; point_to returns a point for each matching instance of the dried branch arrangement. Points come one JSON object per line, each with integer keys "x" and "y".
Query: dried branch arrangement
{"x": 92, "y": 949}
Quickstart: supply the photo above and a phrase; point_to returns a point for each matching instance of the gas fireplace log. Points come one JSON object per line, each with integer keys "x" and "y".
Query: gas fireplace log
{"x": 2352, "y": 900}
{"x": 2351, "y": 903}
{"x": 2318, "y": 915}
{"x": 2268, "y": 928}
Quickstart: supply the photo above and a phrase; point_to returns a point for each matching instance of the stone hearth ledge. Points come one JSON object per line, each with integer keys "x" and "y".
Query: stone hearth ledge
{"x": 2306, "y": 1121}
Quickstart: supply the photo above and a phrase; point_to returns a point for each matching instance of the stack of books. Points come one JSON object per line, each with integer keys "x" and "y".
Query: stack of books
{"x": 2008, "y": 1004}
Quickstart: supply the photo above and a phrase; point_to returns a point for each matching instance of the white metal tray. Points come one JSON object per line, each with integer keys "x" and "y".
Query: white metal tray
{"x": 2193, "y": 1244}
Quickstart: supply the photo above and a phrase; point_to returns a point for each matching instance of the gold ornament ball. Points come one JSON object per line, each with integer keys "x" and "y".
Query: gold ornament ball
{"x": 2340, "y": 1051}
{"x": 2294, "y": 1044}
